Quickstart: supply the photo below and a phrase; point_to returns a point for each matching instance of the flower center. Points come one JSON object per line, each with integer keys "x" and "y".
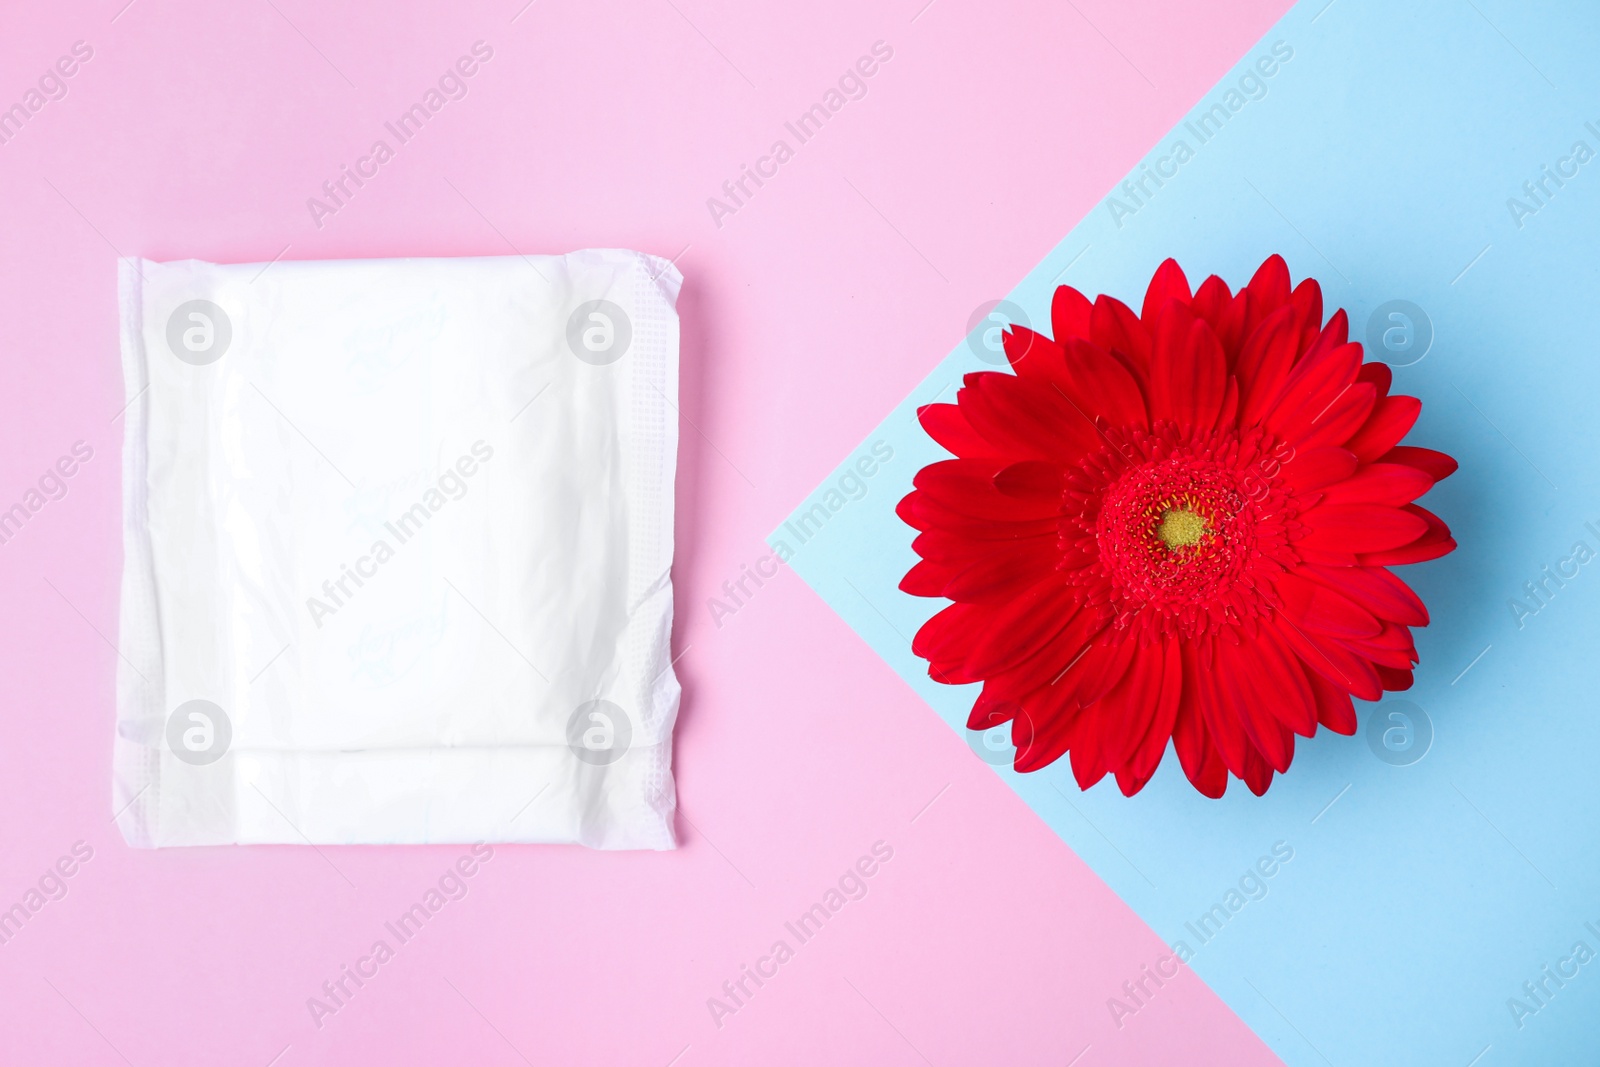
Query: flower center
{"x": 1178, "y": 533}
{"x": 1175, "y": 533}
{"x": 1181, "y": 528}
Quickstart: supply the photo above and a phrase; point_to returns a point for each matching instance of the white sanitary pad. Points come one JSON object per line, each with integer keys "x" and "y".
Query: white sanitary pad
{"x": 398, "y": 548}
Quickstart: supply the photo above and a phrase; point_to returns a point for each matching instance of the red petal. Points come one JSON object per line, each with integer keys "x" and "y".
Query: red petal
{"x": 1246, "y": 697}
{"x": 1088, "y": 752}
{"x": 1025, "y": 419}
{"x": 1438, "y": 465}
{"x": 942, "y": 641}
{"x": 1211, "y": 302}
{"x": 1377, "y": 375}
{"x": 1332, "y": 660}
{"x": 1314, "y": 606}
{"x": 1334, "y": 709}
{"x": 1325, "y": 557}
{"x": 1031, "y": 679}
{"x": 946, "y": 629}
{"x": 1052, "y": 716}
{"x": 1093, "y": 674}
{"x": 1234, "y": 328}
{"x": 1188, "y": 370}
{"x": 999, "y": 577}
{"x": 1229, "y": 415}
{"x": 1361, "y": 527}
{"x": 1130, "y": 707}
{"x": 1270, "y": 285}
{"x": 1291, "y": 699}
{"x": 921, "y": 511}
{"x": 1069, "y": 315}
{"x": 1435, "y": 542}
{"x": 1202, "y": 763}
{"x": 991, "y": 709}
{"x": 1391, "y": 418}
{"x": 1099, "y": 385}
{"x": 1015, "y": 630}
{"x": 927, "y": 578}
{"x": 1041, "y": 744}
{"x": 1264, "y": 364}
{"x": 1341, "y": 418}
{"x": 1394, "y": 681}
{"x": 1202, "y": 676}
{"x": 1114, "y": 327}
{"x": 1167, "y": 284}
{"x": 1032, "y": 355}
{"x": 959, "y": 550}
{"x": 947, "y": 425}
{"x": 1131, "y": 782}
{"x": 1313, "y": 388}
{"x": 1393, "y": 648}
{"x": 1142, "y": 763}
{"x": 1258, "y": 773}
{"x": 968, "y": 487}
{"x": 1380, "y": 483}
{"x": 1307, "y": 303}
{"x": 1313, "y": 468}
{"x": 1334, "y": 334}
{"x": 1029, "y": 480}
{"x": 1374, "y": 588}
{"x": 1420, "y": 552}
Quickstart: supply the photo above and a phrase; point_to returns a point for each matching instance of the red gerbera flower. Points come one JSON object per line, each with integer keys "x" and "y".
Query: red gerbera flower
{"x": 1176, "y": 524}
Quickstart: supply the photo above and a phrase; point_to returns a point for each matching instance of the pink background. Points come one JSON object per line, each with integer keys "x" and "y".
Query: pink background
{"x": 199, "y": 130}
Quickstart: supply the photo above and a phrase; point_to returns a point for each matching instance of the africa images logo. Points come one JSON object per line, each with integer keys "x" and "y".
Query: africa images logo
{"x": 454, "y": 482}
{"x": 199, "y": 732}
{"x": 199, "y": 332}
{"x": 1137, "y": 191}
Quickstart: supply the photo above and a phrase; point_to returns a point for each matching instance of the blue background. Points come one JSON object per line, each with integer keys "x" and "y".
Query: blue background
{"x": 1380, "y": 161}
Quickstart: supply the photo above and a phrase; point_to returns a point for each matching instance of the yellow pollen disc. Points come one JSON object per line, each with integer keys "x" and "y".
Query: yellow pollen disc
{"x": 1180, "y": 528}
